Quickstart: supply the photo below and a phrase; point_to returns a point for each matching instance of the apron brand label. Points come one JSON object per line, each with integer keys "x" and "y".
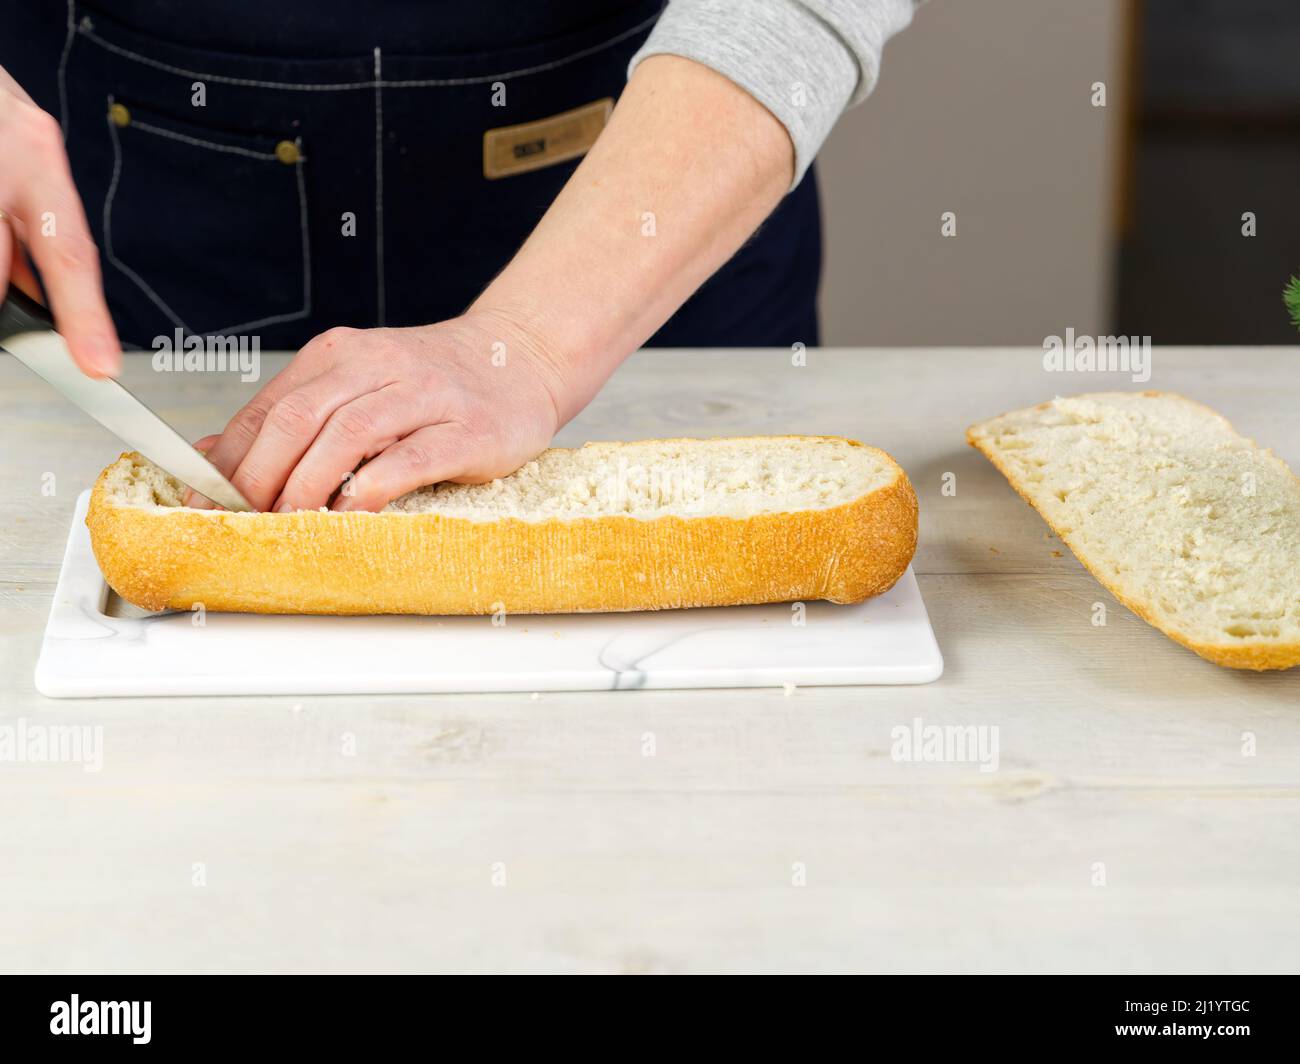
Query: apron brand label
{"x": 532, "y": 145}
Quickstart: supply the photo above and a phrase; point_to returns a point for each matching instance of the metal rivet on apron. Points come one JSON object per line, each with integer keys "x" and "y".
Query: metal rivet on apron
{"x": 119, "y": 115}
{"x": 287, "y": 152}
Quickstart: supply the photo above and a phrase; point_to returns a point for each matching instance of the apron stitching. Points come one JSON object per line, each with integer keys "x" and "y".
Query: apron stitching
{"x": 582, "y": 53}
{"x": 108, "y": 229}
{"x": 144, "y": 285}
{"x": 331, "y": 86}
{"x": 325, "y": 86}
{"x": 379, "y": 186}
{"x": 306, "y": 266}
{"x": 264, "y": 156}
{"x": 63, "y": 67}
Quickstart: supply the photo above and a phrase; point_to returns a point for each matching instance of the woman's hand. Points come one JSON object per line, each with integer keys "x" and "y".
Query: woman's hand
{"x": 361, "y": 416}
{"x": 44, "y": 212}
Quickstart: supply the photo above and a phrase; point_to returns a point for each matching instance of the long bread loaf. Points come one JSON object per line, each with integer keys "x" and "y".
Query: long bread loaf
{"x": 610, "y": 526}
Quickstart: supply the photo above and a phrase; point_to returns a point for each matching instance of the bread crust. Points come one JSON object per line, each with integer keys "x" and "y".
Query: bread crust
{"x": 1258, "y": 656}
{"x": 423, "y": 563}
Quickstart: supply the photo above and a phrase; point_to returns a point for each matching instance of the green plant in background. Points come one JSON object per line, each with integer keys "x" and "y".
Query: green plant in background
{"x": 1291, "y": 297}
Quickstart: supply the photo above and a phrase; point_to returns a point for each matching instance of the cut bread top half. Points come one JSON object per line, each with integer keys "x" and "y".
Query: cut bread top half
{"x": 1193, "y": 526}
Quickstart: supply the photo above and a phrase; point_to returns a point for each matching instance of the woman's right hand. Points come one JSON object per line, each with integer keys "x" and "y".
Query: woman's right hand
{"x": 44, "y": 215}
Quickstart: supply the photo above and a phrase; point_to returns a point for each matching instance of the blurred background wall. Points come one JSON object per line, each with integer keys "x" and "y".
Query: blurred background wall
{"x": 1118, "y": 219}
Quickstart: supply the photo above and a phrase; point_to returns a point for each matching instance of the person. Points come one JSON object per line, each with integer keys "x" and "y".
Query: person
{"x": 439, "y": 205}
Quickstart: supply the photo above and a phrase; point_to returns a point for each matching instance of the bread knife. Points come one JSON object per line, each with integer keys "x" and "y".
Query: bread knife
{"x": 27, "y": 332}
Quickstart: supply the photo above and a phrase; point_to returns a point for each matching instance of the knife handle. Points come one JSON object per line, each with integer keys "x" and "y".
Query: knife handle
{"x": 21, "y": 314}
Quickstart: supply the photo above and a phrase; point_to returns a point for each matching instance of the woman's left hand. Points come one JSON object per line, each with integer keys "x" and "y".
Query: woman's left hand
{"x": 361, "y": 416}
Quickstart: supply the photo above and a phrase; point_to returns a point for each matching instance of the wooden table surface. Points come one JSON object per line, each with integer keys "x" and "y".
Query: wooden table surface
{"x": 1124, "y": 830}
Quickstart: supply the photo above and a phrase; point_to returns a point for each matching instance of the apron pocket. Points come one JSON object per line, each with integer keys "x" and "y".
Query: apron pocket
{"x": 205, "y": 229}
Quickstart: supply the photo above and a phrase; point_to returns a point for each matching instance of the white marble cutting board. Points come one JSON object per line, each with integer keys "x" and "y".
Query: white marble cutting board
{"x": 96, "y": 645}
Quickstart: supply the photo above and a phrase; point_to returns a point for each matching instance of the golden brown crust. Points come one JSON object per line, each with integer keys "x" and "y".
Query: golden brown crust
{"x": 1258, "y": 656}
{"x": 362, "y": 563}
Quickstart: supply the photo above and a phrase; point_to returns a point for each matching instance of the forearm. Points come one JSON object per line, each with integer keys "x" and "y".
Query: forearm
{"x": 687, "y": 168}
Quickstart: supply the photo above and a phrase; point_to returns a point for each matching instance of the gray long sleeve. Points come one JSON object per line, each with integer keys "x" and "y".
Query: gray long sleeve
{"x": 804, "y": 60}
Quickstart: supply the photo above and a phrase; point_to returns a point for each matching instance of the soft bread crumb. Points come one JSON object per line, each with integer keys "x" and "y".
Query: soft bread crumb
{"x": 657, "y": 478}
{"x": 1190, "y": 523}
{"x": 135, "y": 481}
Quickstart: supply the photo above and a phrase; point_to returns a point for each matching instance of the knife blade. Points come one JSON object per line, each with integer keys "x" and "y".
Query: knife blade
{"x": 27, "y": 333}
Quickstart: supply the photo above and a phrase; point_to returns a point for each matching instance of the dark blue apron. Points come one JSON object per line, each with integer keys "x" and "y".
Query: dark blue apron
{"x": 335, "y": 172}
